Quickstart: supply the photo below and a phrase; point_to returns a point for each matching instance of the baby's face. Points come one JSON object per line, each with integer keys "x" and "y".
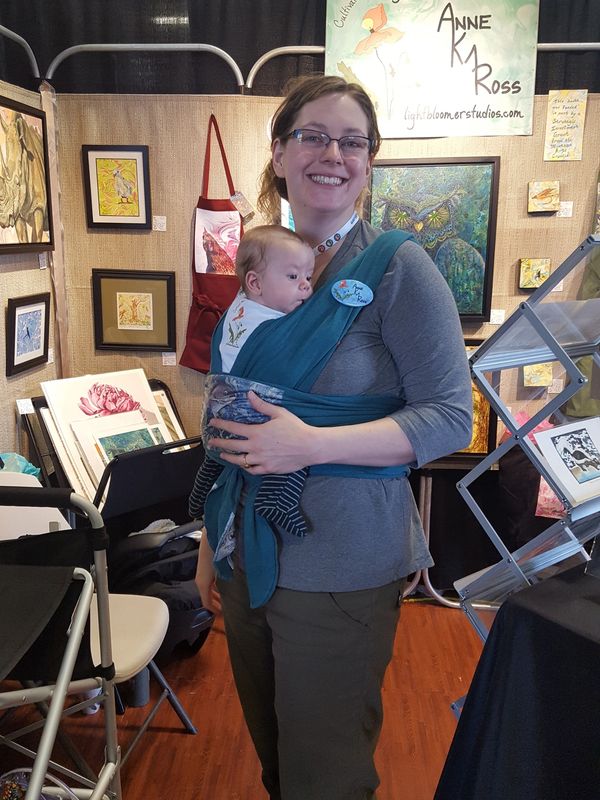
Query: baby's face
{"x": 285, "y": 279}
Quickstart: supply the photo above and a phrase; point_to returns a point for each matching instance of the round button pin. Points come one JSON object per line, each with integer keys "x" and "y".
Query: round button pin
{"x": 349, "y": 292}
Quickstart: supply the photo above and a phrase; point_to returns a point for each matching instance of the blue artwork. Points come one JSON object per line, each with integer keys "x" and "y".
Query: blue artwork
{"x": 29, "y": 332}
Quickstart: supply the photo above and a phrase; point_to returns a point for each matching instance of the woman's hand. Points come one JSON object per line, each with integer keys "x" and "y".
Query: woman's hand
{"x": 281, "y": 445}
{"x": 205, "y": 577}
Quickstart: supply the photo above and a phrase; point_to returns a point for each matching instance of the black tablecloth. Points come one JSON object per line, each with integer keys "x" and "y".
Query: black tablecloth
{"x": 530, "y": 726}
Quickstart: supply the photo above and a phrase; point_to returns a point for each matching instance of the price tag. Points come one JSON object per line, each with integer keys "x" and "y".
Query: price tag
{"x": 243, "y": 206}
{"x": 25, "y": 406}
{"x": 566, "y": 209}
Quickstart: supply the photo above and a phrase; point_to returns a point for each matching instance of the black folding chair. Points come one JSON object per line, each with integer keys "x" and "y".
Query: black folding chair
{"x": 47, "y": 594}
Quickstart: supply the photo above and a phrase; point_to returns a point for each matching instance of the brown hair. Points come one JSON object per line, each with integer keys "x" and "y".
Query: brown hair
{"x": 302, "y": 91}
{"x": 253, "y": 245}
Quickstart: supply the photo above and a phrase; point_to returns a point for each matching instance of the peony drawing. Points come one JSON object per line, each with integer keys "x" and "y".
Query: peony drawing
{"x": 103, "y": 399}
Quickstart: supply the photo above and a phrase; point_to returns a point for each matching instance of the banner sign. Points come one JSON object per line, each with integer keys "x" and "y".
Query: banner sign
{"x": 436, "y": 68}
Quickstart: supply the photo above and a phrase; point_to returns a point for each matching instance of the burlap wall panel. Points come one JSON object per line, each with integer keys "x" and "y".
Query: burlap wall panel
{"x": 174, "y": 127}
{"x": 20, "y": 275}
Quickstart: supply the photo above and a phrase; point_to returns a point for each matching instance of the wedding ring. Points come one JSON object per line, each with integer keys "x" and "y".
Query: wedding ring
{"x": 246, "y": 464}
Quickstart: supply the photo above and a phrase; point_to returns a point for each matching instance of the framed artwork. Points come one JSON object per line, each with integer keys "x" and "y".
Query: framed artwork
{"x": 449, "y": 205}
{"x": 535, "y": 375}
{"x": 117, "y": 186}
{"x": 133, "y": 309}
{"x": 533, "y": 272}
{"x": 485, "y": 420}
{"x": 27, "y": 328}
{"x": 25, "y": 209}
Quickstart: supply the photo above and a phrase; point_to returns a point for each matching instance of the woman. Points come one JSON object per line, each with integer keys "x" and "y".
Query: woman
{"x": 309, "y": 663}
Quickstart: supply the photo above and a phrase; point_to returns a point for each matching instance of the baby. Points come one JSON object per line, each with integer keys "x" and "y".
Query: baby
{"x": 275, "y": 268}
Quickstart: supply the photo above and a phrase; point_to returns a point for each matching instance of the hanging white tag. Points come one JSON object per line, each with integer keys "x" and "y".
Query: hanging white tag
{"x": 243, "y": 206}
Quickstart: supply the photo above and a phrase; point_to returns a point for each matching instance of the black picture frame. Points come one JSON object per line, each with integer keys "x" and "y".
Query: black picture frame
{"x": 450, "y": 207}
{"x": 116, "y": 181}
{"x": 134, "y": 310}
{"x": 27, "y": 331}
{"x": 25, "y": 206}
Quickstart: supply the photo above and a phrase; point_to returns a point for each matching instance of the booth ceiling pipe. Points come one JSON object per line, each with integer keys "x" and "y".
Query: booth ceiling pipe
{"x": 19, "y": 39}
{"x": 281, "y": 51}
{"x": 184, "y": 47}
{"x": 546, "y": 46}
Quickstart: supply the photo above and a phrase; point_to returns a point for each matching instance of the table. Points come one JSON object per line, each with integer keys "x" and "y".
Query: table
{"x": 530, "y": 727}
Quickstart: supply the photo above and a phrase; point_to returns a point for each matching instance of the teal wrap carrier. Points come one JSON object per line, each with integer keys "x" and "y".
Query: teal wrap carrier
{"x": 289, "y": 353}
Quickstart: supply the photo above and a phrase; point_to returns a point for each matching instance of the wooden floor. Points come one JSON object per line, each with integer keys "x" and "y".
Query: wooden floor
{"x": 435, "y": 655}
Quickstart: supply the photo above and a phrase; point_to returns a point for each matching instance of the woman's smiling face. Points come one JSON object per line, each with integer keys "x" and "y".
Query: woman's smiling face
{"x": 323, "y": 180}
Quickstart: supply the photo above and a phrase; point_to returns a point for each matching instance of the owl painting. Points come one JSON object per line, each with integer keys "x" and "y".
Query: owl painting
{"x": 447, "y": 210}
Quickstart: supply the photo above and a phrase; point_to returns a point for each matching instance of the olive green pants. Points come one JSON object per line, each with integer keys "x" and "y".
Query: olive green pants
{"x": 308, "y": 668}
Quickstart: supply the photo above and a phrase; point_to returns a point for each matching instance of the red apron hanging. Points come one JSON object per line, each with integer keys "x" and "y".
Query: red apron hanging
{"x": 217, "y": 232}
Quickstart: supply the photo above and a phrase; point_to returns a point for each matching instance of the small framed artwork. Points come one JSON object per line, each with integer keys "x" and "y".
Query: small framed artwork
{"x": 535, "y": 375}
{"x": 449, "y": 206}
{"x": 117, "y": 186}
{"x": 27, "y": 328}
{"x": 25, "y": 208}
{"x": 533, "y": 272}
{"x": 133, "y": 309}
{"x": 485, "y": 421}
{"x": 543, "y": 196}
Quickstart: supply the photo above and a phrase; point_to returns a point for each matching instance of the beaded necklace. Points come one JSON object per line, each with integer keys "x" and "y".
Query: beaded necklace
{"x": 337, "y": 236}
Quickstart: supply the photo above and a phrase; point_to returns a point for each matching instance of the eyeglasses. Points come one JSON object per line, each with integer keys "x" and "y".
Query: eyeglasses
{"x": 317, "y": 140}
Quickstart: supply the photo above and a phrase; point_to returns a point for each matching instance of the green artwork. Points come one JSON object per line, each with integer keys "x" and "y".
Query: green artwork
{"x": 449, "y": 207}
{"x": 116, "y": 443}
{"x": 436, "y": 68}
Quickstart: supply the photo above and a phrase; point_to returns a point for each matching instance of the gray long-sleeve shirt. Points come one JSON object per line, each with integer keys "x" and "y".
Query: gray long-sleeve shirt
{"x": 407, "y": 343}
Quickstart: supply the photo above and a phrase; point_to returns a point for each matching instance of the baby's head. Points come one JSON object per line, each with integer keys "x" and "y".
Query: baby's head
{"x": 275, "y": 267}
